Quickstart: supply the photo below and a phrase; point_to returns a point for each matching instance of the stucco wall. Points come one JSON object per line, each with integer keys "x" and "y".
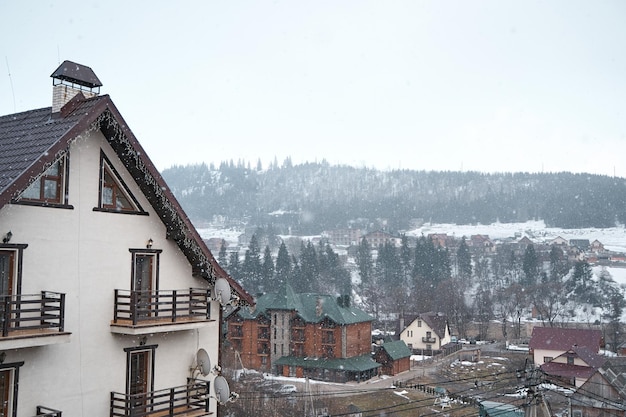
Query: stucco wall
{"x": 85, "y": 254}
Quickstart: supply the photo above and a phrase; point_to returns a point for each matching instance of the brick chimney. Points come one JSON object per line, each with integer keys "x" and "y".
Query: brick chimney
{"x": 70, "y": 79}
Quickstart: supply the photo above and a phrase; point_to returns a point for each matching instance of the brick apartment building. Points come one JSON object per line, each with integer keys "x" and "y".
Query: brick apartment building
{"x": 304, "y": 335}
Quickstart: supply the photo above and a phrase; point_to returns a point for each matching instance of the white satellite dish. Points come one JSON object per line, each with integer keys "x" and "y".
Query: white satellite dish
{"x": 222, "y": 390}
{"x": 222, "y": 291}
{"x": 203, "y": 361}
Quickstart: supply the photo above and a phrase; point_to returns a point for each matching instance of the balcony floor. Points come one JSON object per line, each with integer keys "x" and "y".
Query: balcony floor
{"x": 157, "y": 325}
{"x": 33, "y": 337}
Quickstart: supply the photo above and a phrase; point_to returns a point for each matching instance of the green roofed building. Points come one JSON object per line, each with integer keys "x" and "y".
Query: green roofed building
{"x": 496, "y": 409}
{"x": 394, "y": 357}
{"x": 304, "y": 335}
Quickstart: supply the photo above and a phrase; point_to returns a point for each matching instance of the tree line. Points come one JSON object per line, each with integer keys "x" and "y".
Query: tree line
{"x": 311, "y": 197}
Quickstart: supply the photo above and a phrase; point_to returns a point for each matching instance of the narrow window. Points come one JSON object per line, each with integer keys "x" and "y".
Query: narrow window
{"x": 10, "y": 280}
{"x": 145, "y": 281}
{"x": 9, "y": 381}
{"x": 140, "y": 377}
{"x": 114, "y": 195}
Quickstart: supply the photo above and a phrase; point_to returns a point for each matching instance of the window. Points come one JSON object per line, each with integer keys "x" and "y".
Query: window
{"x": 9, "y": 381}
{"x": 145, "y": 279}
{"x": 140, "y": 375}
{"x": 547, "y": 359}
{"x": 114, "y": 195}
{"x": 50, "y": 187}
{"x": 10, "y": 272}
{"x": 570, "y": 360}
{"x": 419, "y": 323}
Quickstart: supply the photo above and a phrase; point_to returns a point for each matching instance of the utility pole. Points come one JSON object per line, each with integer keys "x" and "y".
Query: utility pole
{"x": 536, "y": 405}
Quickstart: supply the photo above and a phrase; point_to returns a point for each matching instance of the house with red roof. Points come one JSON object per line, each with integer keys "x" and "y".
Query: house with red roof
{"x": 572, "y": 355}
{"x": 107, "y": 289}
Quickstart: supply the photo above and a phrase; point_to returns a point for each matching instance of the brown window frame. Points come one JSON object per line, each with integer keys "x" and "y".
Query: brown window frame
{"x": 15, "y": 368}
{"x": 60, "y": 179}
{"x": 118, "y": 187}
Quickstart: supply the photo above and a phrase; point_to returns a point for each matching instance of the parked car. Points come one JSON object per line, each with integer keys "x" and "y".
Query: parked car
{"x": 287, "y": 389}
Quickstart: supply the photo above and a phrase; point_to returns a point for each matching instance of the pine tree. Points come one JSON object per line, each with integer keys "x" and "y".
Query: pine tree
{"x": 222, "y": 257}
{"x": 558, "y": 264}
{"x": 251, "y": 269}
{"x": 464, "y": 261}
{"x": 530, "y": 266}
{"x": 234, "y": 266}
{"x": 283, "y": 266}
{"x": 268, "y": 271}
{"x": 364, "y": 261}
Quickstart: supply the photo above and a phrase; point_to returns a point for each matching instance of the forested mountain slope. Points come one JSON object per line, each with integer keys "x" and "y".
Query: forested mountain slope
{"x": 312, "y": 197}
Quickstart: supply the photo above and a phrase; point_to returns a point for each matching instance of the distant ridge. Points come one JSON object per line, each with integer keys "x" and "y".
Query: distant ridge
{"x": 312, "y": 197}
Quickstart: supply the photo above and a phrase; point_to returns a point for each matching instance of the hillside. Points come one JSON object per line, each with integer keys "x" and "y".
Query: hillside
{"x": 312, "y": 197}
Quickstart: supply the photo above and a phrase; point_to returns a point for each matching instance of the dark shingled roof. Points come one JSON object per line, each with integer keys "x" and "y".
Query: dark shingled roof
{"x": 30, "y": 141}
{"x": 312, "y": 308}
{"x": 614, "y": 370}
{"x": 26, "y": 137}
{"x": 436, "y": 321}
{"x": 556, "y": 338}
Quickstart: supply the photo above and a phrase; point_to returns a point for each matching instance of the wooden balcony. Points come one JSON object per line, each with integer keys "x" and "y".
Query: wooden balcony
{"x": 47, "y": 412}
{"x": 191, "y": 400}
{"x": 428, "y": 340}
{"x": 30, "y": 320}
{"x": 143, "y": 312}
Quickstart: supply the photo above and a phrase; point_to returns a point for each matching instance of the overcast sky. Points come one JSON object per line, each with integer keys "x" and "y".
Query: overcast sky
{"x": 493, "y": 86}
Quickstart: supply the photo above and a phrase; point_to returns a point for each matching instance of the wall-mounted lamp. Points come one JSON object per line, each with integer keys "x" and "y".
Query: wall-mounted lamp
{"x": 3, "y": 356}
{"x": 143, "y": 340}
{"x": 7, "y": 237}
{"x": 149, "y": 244}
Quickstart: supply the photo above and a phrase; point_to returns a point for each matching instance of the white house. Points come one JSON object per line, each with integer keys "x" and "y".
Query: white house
{"x": 107, "y": 290}
{"x": 427, "y": 331}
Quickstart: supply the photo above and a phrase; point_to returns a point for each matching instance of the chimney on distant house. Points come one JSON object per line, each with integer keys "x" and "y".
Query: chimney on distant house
{"x": 70, "y": 79}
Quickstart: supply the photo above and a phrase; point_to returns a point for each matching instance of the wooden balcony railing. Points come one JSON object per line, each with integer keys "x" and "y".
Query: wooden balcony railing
{"x": 141, "y": 307}
{"x": 428, "y": 340}
{"x": 189, "y": 400}
{"x": 32, "y": 312}
{"x": 47, "y": 412}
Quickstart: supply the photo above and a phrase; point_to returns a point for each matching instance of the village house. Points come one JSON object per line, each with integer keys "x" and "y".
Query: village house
{"x": 107, "y": 288}
{"x": 428, "y": 331}
{"x": 604, "y": 393}
{"x": 569, "y": 354}
{"x": 304, "y": 335}
{"x": 558, "y": 241}
{"x": 379, "y": 237}
{"x": 343, "y": 237}
{"x": 481, "y": 243}
{"x": 395, "y": 357}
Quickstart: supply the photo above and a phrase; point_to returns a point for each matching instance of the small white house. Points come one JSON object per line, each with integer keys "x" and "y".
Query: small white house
{"x": 107, "y": 290}
{"x": 428, "y": 331}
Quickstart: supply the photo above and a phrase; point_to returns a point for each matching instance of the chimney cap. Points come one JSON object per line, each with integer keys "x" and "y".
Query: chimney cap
{"x": 76, "y": 74}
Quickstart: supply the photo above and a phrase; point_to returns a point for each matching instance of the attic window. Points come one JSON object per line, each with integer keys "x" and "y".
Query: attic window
{"x": 114, "y": 195}
{"x": 50, "y": 187}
